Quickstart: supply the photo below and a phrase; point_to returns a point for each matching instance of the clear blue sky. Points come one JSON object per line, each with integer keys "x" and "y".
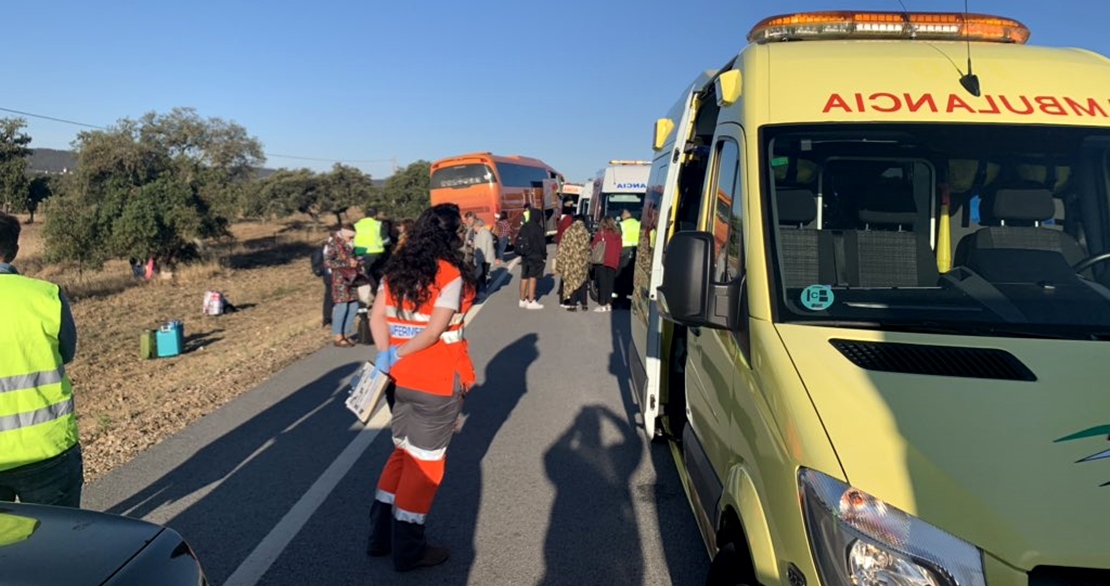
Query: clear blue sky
{"x": 573, "y": 82}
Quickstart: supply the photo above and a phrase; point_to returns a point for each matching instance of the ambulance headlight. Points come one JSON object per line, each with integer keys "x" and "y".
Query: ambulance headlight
{"x": 858, "y": 540}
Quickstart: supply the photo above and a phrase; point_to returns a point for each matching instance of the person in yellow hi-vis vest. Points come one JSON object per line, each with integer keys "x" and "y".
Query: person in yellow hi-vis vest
{"x": 630, "y": 240}
{"x": 40, "y": 457}
{"x": 371, "y": 239}
{"x": 369, "y": 234}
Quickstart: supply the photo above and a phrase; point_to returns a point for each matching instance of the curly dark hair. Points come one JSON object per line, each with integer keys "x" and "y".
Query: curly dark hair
{"x": 435, "y": 236}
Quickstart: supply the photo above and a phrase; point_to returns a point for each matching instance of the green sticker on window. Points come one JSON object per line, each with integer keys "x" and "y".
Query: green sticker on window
{"x": 780, "y": 161}
{"x": 817, "y": 297}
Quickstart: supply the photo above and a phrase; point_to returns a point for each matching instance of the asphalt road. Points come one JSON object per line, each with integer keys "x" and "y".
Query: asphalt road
{"x": 550, "y": 481}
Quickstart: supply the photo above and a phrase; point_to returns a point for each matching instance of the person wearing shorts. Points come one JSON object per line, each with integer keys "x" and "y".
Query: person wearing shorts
{"x": 532, "y": 245}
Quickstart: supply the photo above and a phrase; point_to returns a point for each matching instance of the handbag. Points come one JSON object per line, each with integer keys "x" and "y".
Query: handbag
{"x": 349, "y": 276}
{"x": 597, "y": 253}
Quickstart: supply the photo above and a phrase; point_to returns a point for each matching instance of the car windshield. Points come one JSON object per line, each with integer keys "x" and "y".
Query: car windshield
{"x": 986, "y": 229}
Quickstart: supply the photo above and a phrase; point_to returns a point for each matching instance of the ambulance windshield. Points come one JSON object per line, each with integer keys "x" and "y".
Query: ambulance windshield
{"x": 989, "y": 229}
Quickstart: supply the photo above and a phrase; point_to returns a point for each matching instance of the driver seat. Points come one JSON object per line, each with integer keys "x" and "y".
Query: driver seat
{"x": 1019, "y": 213}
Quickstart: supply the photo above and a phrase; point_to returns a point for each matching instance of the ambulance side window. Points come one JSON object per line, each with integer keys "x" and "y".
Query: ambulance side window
{"x": 727, "y": 213}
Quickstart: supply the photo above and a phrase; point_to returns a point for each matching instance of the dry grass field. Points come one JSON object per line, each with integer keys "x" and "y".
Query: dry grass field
{"x": 126, "y": 404}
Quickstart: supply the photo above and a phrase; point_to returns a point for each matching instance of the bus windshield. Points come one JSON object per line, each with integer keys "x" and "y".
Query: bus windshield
{"x": 460, "y": 176}
{"x": 977, "y": 229}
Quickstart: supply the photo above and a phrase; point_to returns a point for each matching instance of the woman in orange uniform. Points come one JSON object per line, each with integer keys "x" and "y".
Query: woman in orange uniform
{"x": 417, "y": 322}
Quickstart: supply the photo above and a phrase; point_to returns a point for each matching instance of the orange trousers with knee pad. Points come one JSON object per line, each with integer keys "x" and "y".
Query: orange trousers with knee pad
{"x": 412, "y": 483}
{"x": 423, "y": 425}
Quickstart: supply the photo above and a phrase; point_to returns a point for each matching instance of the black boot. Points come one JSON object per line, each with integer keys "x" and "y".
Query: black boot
{"x": 381, "y": 529}
{"x": 411, "y": 550}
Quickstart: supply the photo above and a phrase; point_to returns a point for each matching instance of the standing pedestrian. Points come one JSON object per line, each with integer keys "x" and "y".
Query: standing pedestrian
{"x": 605, "y": 272}
{"x": 345, "y": 269}
{"x": 324, "y": 273}
{"x": 630, "y": 241}
{"x": 469, "y": 232}
{"x": 40, "y": 455}
{"x": 531, "y": 245}
{"x": 572, "y": 261}
{"x": 502, "y": 229}
{"x": 417, "y": 321}
{"x": 372, "y": 235}
{"x": 483, "y": 253}
{"x": 565, "y": 220}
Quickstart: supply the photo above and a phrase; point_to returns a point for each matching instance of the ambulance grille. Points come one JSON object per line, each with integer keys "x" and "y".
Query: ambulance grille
{"x": 934, "y": 360}
{"x": 1059, "y": 576}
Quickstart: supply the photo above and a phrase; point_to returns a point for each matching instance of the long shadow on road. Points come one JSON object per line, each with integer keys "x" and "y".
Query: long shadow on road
{"x": 487, "y": 409}
{"x": 457, "y": 512}
{"x": 238, "y": 487}
{"x": 678, "y": 535}
{"x": 593, "y": 536}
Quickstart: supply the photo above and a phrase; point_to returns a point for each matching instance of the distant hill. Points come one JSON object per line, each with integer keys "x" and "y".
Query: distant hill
{"x": 52, "y": 161}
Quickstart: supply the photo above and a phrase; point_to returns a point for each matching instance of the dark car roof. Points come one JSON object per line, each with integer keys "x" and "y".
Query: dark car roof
{"x": 63, "y": 546}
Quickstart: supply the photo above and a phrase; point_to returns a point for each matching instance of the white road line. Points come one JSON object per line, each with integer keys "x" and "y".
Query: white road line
{"x": 259, "y": 561}
{"x": 163, "y": 514}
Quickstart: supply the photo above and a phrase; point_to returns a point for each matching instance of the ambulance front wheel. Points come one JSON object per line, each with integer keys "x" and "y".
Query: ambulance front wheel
{"x": 728, "y": 567}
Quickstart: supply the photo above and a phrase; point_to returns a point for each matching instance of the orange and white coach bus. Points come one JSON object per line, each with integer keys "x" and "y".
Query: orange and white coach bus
{"x": 488, "y": 184}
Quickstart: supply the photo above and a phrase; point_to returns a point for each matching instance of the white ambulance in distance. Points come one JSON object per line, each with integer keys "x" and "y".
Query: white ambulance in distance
{"x": 618, "y": 187}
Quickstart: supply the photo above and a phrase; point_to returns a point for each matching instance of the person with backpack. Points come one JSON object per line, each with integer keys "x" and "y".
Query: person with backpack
{"x": 346, "y": 271}
{"x": 531, "y": 246}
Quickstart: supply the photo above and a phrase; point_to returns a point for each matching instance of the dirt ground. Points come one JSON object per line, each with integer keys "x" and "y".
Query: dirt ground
{"x": 126, "y": 404}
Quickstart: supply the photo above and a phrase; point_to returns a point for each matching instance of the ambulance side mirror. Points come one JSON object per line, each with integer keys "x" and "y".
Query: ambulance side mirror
{"x": 688, "y": 295}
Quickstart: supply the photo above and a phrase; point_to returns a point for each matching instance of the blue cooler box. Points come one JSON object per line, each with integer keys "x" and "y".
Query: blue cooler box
{"x": 171, "y": 339}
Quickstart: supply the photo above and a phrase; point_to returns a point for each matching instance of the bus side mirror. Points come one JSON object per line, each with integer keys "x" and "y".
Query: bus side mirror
{"x": 688, "y": 296}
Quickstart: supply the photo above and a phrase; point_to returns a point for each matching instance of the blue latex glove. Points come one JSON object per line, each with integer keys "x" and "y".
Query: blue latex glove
{"x": 385, "y": 360}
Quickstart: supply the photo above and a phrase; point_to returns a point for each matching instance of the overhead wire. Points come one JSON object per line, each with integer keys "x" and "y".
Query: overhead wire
{"x": 267, "y": 155}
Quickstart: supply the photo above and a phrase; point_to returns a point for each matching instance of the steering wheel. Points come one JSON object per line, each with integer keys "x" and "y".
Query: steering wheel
{"x": 1090, "y": 261}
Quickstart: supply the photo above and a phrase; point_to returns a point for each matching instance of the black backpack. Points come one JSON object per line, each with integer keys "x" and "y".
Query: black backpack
{"x": 318, "y": 261}
{"x": 523, "y": 246}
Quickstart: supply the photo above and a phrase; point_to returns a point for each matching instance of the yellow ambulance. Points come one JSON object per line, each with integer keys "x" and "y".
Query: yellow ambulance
{"x": 871, "y": 314}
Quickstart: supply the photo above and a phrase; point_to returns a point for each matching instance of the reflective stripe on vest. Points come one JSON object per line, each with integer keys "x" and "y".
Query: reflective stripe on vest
{"x": 19, "y": 382}
{"x": 29, "y": 418}
{"x": 36, "y": 399}
{"x": 368, "y": 235}
{"x": 407, "y": 324}
{"x": 630, "y": 232}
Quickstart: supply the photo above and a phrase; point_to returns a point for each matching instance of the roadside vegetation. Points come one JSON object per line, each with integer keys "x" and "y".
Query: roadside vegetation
{"x": 185, "y": 191}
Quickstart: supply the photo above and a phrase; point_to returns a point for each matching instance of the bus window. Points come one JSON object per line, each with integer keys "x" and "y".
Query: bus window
{"x": 513, "y": 175}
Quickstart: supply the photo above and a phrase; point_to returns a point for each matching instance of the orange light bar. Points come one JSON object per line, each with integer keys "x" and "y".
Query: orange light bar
{"x": 847, "y": 24}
